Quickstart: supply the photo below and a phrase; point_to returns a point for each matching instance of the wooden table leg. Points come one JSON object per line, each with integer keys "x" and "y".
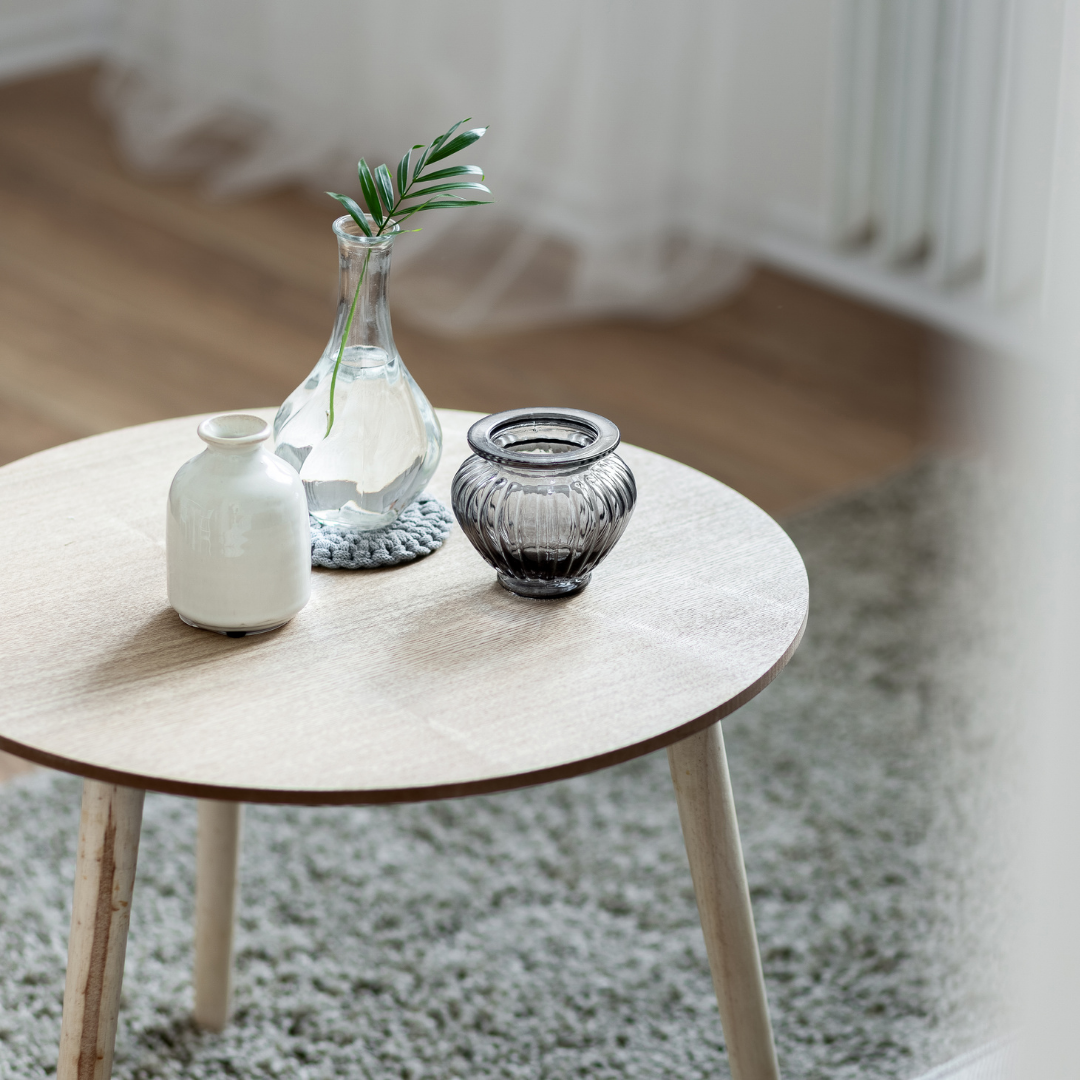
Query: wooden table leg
{"x": 218, "y": 852}
{"x": 707, "y": 813}
{"x": 104, "y": 877}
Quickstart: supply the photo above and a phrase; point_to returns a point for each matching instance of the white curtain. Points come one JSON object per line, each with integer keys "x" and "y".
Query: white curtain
{"x": 609, "y": 153}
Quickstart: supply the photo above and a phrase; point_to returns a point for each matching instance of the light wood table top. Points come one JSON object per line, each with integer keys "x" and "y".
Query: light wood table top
{"x": 421, "y": 681}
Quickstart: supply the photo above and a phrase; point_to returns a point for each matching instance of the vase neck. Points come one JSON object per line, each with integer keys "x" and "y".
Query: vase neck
{"x": 363, "y": 316}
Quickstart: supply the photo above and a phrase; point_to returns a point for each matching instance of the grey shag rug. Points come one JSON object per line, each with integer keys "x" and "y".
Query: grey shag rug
{"x": 551, "y": 933}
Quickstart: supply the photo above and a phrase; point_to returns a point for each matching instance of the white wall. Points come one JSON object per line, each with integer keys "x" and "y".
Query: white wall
{"x": 783, "y": 175}
{"x": 36, "y": 35}
{"x": 784, "y": 79}
{"x": 787, "y": 60}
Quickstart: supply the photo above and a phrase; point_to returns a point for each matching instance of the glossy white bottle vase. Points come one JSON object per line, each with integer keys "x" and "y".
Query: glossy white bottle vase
{"x": 237, "y": 538}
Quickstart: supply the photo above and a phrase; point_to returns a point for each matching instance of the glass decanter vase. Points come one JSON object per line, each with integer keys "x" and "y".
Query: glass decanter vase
{"x": 358, "y": 430}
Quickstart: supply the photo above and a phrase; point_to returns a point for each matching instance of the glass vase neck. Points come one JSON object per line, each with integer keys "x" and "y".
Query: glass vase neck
{"x": 363, "y": 317}
{"x": 346, "y": 229}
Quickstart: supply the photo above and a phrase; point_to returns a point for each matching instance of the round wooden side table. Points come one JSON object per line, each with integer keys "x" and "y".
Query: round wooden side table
{"x": 424, "y": 681}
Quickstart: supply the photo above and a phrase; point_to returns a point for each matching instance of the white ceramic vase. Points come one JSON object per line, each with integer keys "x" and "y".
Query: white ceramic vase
{"x": 237, "y": 538}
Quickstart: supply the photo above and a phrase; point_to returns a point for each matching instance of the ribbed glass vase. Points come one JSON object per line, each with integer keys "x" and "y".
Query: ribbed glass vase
{"x": 544, "y": 498}
{"x": 358, "y": 430}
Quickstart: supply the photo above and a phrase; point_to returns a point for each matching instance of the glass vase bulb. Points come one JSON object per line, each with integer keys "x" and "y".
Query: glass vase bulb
{"x": 544, "y": 497}
{"x": 363, "y": 469}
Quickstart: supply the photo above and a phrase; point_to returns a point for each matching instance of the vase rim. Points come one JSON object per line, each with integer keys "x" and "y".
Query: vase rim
{"x": 587, "y": 436}
{"x": 346, "y": 229}
{"x": 234, "y": 431}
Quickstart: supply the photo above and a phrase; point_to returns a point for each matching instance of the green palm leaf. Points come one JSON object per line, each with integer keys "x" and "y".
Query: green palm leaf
{"x": 371, "y": 194}
{"x": 434, "y": 145}
{"x": 446, "y": 134}
{"x": 448, "y": 202}
{"x": 466, "y": 138}
{"x": 403, "y": 172}
{"x": 386, "y": 188}
{"x": 425, "y": 192}
{"x": 354, "y": 210}
{"x": 420, "y": 162}
{"x": 454, "y": 170}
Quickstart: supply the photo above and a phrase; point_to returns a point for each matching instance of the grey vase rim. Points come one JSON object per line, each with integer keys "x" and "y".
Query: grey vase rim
{"x": 603, "y": 437}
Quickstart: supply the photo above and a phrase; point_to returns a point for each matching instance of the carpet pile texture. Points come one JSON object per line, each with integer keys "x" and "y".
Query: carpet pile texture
{"x": 552, "y": 933}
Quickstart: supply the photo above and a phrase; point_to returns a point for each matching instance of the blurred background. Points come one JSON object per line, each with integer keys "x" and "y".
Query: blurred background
{"x": 761, "y": 236}
{"x": 801, "y": 245}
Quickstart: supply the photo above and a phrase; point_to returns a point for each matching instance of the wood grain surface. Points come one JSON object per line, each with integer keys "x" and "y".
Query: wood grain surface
{"x": 217, "y": 857}
{"x": 109, "y": 829}
{"x": 422, "y": 681}
{"x": 699, "y": 771}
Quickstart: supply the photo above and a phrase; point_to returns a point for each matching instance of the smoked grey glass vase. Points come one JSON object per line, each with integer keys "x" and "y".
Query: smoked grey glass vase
{"x": 544, "y": 497}
{"x": 358, "y": 430}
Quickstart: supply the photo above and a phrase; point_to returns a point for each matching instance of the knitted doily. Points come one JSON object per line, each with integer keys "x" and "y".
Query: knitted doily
{"x": 422, "y": 528}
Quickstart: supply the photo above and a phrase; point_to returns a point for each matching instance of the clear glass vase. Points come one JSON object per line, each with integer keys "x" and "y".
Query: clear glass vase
{"x": 358, "y": 429}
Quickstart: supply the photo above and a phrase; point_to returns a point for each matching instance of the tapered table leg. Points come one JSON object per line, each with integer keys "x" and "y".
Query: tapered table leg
{"x": 218, "y": 852}
{"x": 104, "y": 877}
{"x": 707, "y": 813}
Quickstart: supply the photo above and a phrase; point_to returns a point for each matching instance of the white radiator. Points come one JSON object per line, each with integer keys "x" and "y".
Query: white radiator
{"x": 944, "y": 133}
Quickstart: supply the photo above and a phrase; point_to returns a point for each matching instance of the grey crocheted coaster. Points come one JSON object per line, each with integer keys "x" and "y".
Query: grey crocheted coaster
{"x": 423, "y": 527}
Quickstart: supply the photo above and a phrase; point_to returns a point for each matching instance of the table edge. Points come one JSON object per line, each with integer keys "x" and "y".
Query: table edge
{"x": 378, "y": 796}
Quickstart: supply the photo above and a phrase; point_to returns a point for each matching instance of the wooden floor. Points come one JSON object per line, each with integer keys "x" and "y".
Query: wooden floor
{"x": 125, "y": 299}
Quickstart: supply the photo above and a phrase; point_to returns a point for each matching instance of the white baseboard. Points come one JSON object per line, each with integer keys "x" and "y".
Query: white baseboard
{"x": 995, "y": 1061}
{"x": 54, "y": 34}
{"x": 864, "y": 276}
